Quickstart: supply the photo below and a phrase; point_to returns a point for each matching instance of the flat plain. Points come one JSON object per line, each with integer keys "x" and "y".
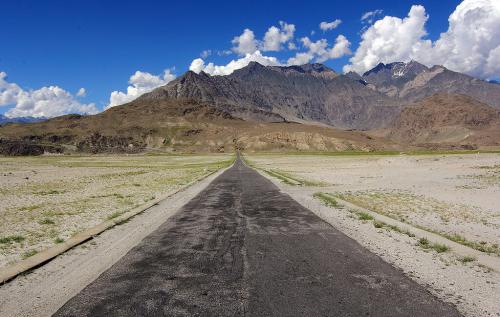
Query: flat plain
{"x": 456, "y": 197}
{"x": 46, "y": 200}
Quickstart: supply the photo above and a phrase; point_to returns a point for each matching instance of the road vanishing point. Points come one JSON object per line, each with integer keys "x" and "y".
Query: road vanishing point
{"x": 243, "y": 248}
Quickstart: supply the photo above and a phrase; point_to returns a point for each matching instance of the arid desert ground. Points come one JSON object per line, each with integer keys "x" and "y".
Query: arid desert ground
{"x": 455, "y": 197}
{"x": 46, "y": 200}
{"x": 435, "y": 217}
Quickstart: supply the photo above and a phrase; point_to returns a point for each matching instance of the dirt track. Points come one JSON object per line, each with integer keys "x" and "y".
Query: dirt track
{"x": 241, "y": 247}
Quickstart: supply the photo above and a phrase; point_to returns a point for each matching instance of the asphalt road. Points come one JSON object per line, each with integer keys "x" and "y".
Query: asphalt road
{"x": 243, "y": 248}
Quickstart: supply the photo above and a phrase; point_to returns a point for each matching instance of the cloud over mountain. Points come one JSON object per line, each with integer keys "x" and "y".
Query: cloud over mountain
{"x": 276, "y": 39}
{"x": 470, "y": 45}
{"x": 140, "y": 83}
{"x": 48, "y": 101}
{"x": 199, "y": 65}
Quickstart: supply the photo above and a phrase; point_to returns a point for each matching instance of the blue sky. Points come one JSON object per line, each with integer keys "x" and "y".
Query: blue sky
{"x": 98, "y": 45}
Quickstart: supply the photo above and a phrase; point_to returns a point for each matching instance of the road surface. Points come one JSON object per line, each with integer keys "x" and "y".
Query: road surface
{"x": 243, "y": 248}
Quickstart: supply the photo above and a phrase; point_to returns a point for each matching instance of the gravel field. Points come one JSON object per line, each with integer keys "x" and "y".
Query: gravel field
{"x": 455, "y": 196}
{"x": 45, "y": 200}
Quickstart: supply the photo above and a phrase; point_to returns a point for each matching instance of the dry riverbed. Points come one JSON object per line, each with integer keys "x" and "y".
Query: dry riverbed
{"x": 46, "y": 200}
{"x": 455, "y": 196}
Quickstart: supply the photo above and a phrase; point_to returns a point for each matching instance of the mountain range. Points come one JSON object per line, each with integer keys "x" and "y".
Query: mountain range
{"x": 315, "y": 93}
{"x": 4, "y": 119}
{"x": 308, "y": 107}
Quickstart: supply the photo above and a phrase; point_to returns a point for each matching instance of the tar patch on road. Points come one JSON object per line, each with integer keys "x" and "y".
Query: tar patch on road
{"x": 243, "y": 248}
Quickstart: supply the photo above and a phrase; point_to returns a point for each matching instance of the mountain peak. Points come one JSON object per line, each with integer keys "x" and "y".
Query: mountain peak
{"x": 376, "y": 69}
{"x": 398, "y": 69}
{"x": 254, "y": 64}
{"x": 316, "y": 67}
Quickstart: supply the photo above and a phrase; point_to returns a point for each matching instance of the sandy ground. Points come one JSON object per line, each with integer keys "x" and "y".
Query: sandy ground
{"x": 47, "y": 288}
{"x": 46, "y": 200}
{"x": 452, "y": 195}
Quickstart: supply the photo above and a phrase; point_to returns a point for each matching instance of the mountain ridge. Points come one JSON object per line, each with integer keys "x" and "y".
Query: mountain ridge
{"x": 419, "y": 81}
{"x": 312, "y": 92}
{"x": 305, "y": 108}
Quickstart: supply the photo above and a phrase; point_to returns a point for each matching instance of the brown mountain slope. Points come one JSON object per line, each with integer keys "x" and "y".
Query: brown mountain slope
{"x": 447, "y": 119}
{"x": 311, "y": 92}
{"x": 173, "y": 125}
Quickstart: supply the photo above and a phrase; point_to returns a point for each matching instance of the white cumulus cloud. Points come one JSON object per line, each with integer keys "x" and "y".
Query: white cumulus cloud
{"x": 390, "y": 39}
{"x": 245, "y": 43}
{"x": 320, "y": 51}
{"x": 327, "y": 26}
{"x": 199, "y": 65}
{"x": 470, "y": 45}
{"x": 48, "y": 101}
{"x": 472, "y": 39}
{"x": 275, "y": 37}
{"x": 140, "y": 83}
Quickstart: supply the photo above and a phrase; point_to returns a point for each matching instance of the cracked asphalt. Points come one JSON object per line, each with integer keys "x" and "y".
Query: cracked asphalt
{"x": 243, "y": 248}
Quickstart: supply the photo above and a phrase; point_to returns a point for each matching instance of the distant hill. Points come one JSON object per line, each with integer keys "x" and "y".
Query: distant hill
{"x": 171, "y": 125}
{"x": 4, "y": 119}
{"x": 447, "y": 119}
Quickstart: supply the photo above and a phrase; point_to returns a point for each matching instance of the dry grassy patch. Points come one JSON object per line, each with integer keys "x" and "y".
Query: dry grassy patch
{"x": 448, "y": 220}
{"x": 46, "y": 200}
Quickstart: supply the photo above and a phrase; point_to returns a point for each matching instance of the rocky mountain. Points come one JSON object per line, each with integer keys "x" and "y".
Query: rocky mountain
{"x": 170, "y": 125}
{"x": 410, "y": 82}
{"x": 308, "y": 93}
{"x": 315, "y": 93}
{"x": 447, "y": 119}
{"x": 308, "y": 107}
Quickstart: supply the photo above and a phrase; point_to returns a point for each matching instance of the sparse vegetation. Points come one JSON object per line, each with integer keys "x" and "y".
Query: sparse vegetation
{"x": 426, "y": 244}
{"x": 327, "y": 199}
{"x": 482, "y": 246}
{"x": 30, "y": 208}
{"x": 114, "y": 215}
{"x": 58, "y": 240}
{"x": 381, "y": 224}
{"x": 85, "y": 190}
{"x": 11, "y": 239}
{"x": 364, "y": 216}
{"x": 289, "y": 179}
{"x": 407, "y": 208}
{"x": 283, "y": 178}
{"x": 29, "y": 253}
{"x": 50, "y": 192}
{"x": 46, "y": 221}
{"x": 466, "y": 259}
